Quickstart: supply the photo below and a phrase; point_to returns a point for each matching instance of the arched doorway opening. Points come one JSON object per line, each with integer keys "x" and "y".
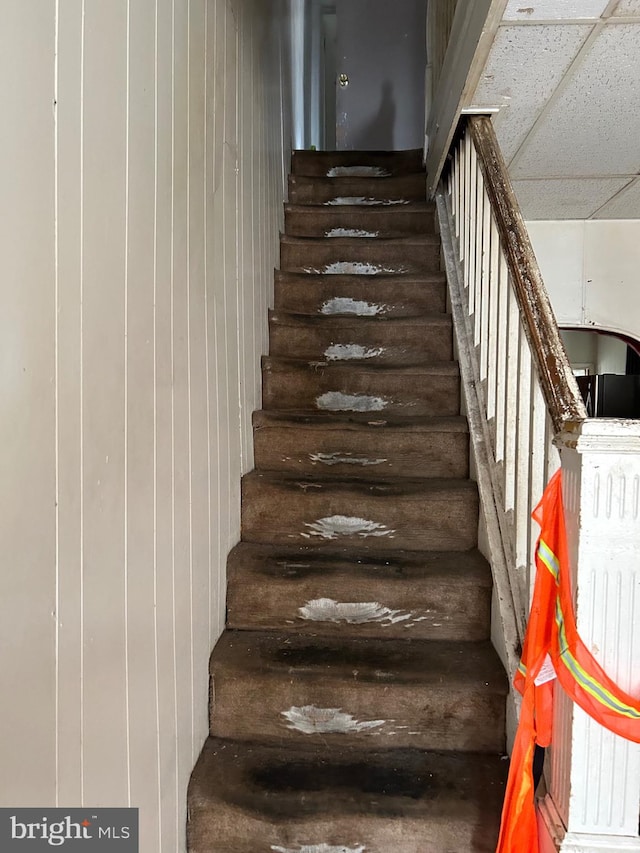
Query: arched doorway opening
{"x": 607, "y": 368}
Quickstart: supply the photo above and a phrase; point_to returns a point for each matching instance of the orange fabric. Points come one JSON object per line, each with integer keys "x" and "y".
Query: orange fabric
{"x": 580, "y": 675}
{"x": 551, "y": 630}
{"x": 519, "y": 829}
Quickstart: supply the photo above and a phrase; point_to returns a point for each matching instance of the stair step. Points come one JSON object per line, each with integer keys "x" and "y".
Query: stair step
{"x": 416, "y": 515}
{"x": 357, "y": 190}
{"x": 429, "y": 596}
{"x": 422, "y": 390}
{"x": 357, "y": 704}
{"x": 394, "y": 220}
{"x": 319, "y": 163}
{"x": 248, "y": 798}
{"x": 279, "y": 687}
{"x": 382, "y": 295}
{"x": 347, "y": 445}
{"x": 374, "y": 340}
{"x": 371, "y": 256}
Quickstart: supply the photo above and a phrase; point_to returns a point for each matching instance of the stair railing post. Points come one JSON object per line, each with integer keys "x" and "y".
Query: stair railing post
{"x": 594, "y": 775}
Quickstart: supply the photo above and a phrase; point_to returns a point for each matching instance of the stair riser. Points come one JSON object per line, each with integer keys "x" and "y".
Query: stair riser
{"x": 235, "y": 831}
{"x": 376, "y": 343}
{"x": 399, "y": 800}
{"x": 381, "y": 393}
{"x": 317, "y": 294}
{"x": 318, "y": 163}
{"x": 429, "y": 610}
{"x": 304, "y": 190}
{"x": 378, "y": 517}
{"x": 422, "y": 716}
{"x": 322, "y": 255}
{"x": 374, "y": 453}
{"x": 392, "y": 221}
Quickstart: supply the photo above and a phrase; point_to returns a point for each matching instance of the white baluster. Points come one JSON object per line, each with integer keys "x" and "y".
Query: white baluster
{"x": 522, "y": 427}
{"x": 537, "y": 471}
{"x": 502, "y": 360}
{"x": 466, "y": 205}
{"x": 455, "y": 191}
{"x": 485, "y": 287}
{"x": 493, "y": 330}
{"x": 478, "y": 299}
{"x": 472, "y": 215}
{"x": 511, "y": 412}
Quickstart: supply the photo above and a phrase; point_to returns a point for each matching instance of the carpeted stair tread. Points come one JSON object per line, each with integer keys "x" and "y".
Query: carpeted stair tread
{"x": 251, "y": 798}
{"x": 357, "y": 704}
{"x": 322, "y": 190}
{"x": 370, "y": 660}
{"x": 318, "y": 163}
{"x": 445, "y": 367}
{"x": 381, "y": 221}
{"x": 338, "y": 690}
{"x": 424, "y": 389}
{"x": 437, "y": 514}
{"x": 355, "y": 255}
{"x": 370, "y": 340}
{"x": 428, "y": 595}
{"x": 307, "y": 443}
{"x": 360, "y": 295}
{"x": 357, "y": 420}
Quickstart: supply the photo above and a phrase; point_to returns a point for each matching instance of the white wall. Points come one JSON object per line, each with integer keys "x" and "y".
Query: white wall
{"x": 591, "y": 270}
{"x": 612, "y": 355}
{"x": 606, "y": 353}
{"x": 581, "y": 347}
{"x": 142, "y": 180}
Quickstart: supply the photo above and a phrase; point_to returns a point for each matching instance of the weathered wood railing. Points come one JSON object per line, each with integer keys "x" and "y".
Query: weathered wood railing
{"x": 527, "y": 417}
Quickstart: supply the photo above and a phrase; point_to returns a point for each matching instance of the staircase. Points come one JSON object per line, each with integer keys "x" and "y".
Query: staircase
{"x": 357, "y": 705}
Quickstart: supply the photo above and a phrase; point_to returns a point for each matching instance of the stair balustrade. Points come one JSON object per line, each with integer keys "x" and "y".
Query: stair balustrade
{"x": 526, "y": 418}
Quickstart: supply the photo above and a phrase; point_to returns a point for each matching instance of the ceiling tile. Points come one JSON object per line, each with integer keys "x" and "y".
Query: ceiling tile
{"x": 552, "y": 10}
{"x": 626, "y": 205}
{"x": 524, "y": 68}
{"x": 593, "y": 127}
{"x": 627, "y": 8}
{"x": 565, "y": 198}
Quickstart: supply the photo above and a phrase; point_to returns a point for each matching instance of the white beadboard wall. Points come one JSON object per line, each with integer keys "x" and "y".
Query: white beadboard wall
{"x": 142, "y": 165}
{"x": 590, "y": 268}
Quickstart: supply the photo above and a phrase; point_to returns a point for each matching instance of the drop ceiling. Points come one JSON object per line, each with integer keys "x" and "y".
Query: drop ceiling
{"x": 564, "y": 77}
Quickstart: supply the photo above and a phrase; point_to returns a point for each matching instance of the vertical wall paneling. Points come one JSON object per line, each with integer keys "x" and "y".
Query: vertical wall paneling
{"x": 246, "y": 344}
{"x": 140, "y": 215}
{"x": 104, "y": 130}
{"x": 68, "y": 217}
{"x": 199, "y": 460}
{"x": 27, "y": 385}
{"x": 211, "y": 172}
{"x": 171, "y": 791}
{"x": 180, "y": 404}
{"x": 215, "y": 286}
{"x": 230, "y": 268}
{"x": 141, "y": 412}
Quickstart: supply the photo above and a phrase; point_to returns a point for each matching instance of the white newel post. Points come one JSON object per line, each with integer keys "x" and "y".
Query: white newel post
{"x": 594, "y": 776}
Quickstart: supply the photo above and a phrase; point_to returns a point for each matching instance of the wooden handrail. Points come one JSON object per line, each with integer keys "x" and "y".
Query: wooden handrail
{"x": 557, "y": 381}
